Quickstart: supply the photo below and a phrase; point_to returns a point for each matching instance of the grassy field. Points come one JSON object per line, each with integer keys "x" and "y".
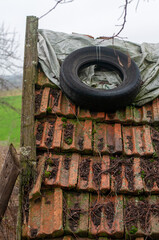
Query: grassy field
{"x": 10, "y": 120}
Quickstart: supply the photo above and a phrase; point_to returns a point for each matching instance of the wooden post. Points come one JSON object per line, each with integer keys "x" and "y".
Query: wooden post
{"x": 28, "y": 149}
{"x": 8, "y": 176}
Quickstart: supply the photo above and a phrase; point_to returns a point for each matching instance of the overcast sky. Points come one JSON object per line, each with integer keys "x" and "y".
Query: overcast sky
{"x": 94, "y": 17}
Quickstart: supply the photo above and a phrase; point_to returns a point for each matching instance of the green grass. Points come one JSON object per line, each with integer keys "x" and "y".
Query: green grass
{"x": 10, "y": 120}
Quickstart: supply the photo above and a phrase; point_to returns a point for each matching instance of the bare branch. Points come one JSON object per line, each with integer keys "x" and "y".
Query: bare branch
{"x": 57, "y": 3}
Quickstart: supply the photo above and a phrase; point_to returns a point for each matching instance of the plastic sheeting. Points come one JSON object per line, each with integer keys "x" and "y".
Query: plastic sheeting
{"x": 53, "y": 47}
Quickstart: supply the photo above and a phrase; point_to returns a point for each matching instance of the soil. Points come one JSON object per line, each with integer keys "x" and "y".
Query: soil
{"x": 68, "y": 133}
{"x": 84, "y": 169}
{"x": 130, "y": 143}
{"x": 38, "y": 98}
{"x": 49, "y": 139}
{"x": 54, "y": 165}
{"x": 109, "y": 210}
{"x": 67, "y": 161}
{"x": 97, "y": 169}
{"x": 80, "y": 142}
{"x": 74, "y": 217}
{"x": 39, "y": 133}
{"x": 96, "y": 211}
{"x": 150, "y": 172}
{"x": 100, "y": 144}
{"x": 56, "y": 94}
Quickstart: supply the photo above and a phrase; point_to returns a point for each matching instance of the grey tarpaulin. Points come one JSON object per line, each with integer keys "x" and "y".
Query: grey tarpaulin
{"x": 53, "y": 47}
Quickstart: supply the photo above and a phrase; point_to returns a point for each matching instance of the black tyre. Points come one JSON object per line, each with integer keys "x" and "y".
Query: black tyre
{"x": 99, "y": 99}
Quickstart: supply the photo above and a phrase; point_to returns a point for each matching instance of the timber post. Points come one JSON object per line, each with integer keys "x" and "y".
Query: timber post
{"x": 27, "y": 141}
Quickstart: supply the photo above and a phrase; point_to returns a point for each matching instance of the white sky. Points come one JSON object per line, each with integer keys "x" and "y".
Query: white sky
{"x": 94, "y": 17}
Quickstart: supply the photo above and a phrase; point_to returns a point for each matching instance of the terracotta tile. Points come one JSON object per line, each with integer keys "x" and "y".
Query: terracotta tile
{"x": 144, "y": 212}
{"x": 49, "y": 133}
{"x": 76, "y": 213}
{"x": 36, "y": 191}
{"x": 45, "y": 215}
{"x": 86, "y": 114}
{"x": 127, "y": 176}
{"x": 77, "y": 136}
{"x": 53, "y": 101}
{"x": 107, "y": 138}
{"x": 41, "y": 101}
{"x": 42, "y": 79}
{"x": 67, "y": 107}
{"x": 122, "y": 116}
{"x": 148, "y": 170}
{"x": 63, "y": 170}
{"x": 92, "y": 176}
{"x": 34, "y": 223}
{"x": 154, "y": 202}
{"x": 155, "y": 110}
{"x": 139, "y": 222}
{"x": 137, "y": 140}
{"x": 147, "y": 113}
{"x": 103, "y": 224}
{"x": 56, "y": 144}
{"x": 55, "y": 96}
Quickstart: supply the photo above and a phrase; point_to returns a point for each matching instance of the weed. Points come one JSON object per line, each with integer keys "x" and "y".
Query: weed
{"x": 64, "y": 119}
{"x": 152, "y": 160}
{"x": 143, "y": 174}
{"x": 47, "y": 174}
{"x": 155, "y": 155}
{"x": 94, "y": 131}
{"x": 49, "y": 109}
{"x": 133, "y": 230}
{"x": 69, "y": 141}
{"x": 49, "y": 161}
{"x": 64, "y": 125}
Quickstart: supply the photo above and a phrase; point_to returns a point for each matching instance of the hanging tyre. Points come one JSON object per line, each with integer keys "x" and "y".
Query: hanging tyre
{"x": 99, "y": 99}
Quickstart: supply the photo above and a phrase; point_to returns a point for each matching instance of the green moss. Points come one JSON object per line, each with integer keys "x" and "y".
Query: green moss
{"x": 64, "y": 125}
{"x": 64, "y": 119}
{"x": 94, "y": 131}
{"x": 155, "y": 155}
{"x": 49, "y": 109}
{"x": 133, "y": 230}
{"x": 152, "y": 160}
{"x": 49, "y": 161}
{"x": 47, "y": 174}
{"x": 69, "y": 141}
{"x": 142, "y": 174}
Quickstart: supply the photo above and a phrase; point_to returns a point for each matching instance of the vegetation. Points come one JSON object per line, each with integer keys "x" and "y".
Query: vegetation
{"x": 10, "y": 119}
